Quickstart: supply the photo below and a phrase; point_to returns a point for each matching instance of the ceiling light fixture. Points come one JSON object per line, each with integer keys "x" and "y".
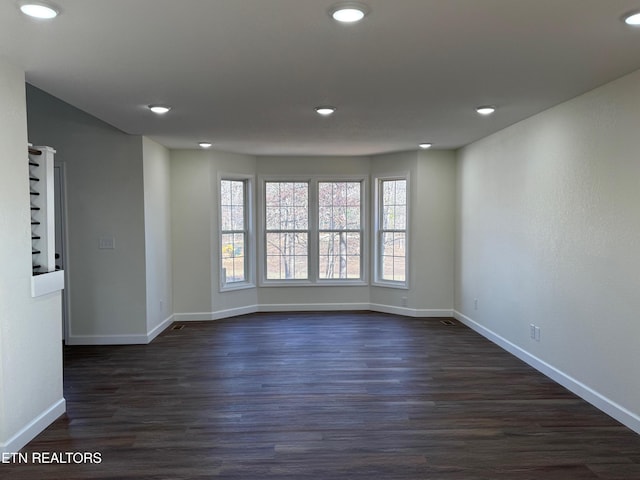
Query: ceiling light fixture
{"x": 348, "y": 12}
{"x": 39, "y": 10}
{"x": 425, "y": 145}
{"x": 486, "y": 109}
{"x": 633, "y": 19}
{"x": 205, "y": 144}
{"x": 325, "y": 111}
{"x": 159, "y": 109}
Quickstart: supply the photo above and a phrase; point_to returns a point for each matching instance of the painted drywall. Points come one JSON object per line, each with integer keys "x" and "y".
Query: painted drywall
{"x": 194, "y": 204}
{"x": 548, "y": 226}
{"x": 157, "y": 221}
{"x": 313, "y": 297}
{"x": 432, "y": 187}
{"x": 30, "y": 328}
{"x": 194, "y": 230}
{"x": 105, "y": 199}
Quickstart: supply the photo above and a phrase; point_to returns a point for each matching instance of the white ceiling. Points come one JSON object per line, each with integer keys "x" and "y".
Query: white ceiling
{"x": 246, "y": 74}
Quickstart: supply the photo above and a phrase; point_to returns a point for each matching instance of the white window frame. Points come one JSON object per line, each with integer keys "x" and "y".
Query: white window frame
{"x": 377, "y": 232}
{"x": 314, "y": 279}
{"x": 250, "y": 248}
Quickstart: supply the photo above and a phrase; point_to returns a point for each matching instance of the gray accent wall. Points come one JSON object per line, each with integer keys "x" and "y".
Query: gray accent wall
{"x": 105, "y": 199}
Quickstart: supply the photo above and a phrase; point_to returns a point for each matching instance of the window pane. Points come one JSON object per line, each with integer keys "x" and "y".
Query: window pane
{"x": 339, "y": 210}
{"x": 237, "y": 218}
{"x": 237, "y": 192}
{"x": 400, "y": 217}
{"x": 286, "y": 254}
{"x": 339, "y": 255}
{"x": 233, "y": 224}
{"x": 393, "y": 224}
{"x": 339, "y": 205}
{"x": 325, "y": 194}
{"x": 233, "y": 249}
{"x": 286, "y": 205}
{"x": 225, "y": 217}
{"x": 353, "y": 218}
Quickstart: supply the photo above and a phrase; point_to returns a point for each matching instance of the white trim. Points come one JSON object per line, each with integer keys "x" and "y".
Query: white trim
{"x": 158, "y": 329}
{"x": 218, "y": 315}
{"x": 234, "y": 312}
{"x": 411, "y": 312}
{"x": 376, "y": 231}
{"x": 313, "y": 279}
{"x": 250, "y": 243}
{"x": 193, "y": 317}
{"x": 133, "y": 339}
{"x": 311, "y": 307}
{"x": 34, "y": 427}
{"x": 585, "y": 392}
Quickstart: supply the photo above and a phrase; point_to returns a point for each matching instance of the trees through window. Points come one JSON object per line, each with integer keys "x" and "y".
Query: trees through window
{"x": 392, "y": 231}
{"x": 287, "y": 230}
{"x": 234, "y": 231}
{"x": 339, "y": 230}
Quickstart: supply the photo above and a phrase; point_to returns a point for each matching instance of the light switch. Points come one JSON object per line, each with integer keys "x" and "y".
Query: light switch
{"x": 106, "y": 243}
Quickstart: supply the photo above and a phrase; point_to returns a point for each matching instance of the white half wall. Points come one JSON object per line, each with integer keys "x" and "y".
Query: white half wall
{"x": 548, "y": 222}
{"x": 30, "y": 328}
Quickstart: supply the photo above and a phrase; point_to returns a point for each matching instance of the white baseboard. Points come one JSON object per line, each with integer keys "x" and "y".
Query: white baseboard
{"x": 234, "y": 312}
{"x": 137, "y": 339}
{"x": 585, "y": 392}
{"x": 157, "y": 330}
{"x": 311, "y": 307}
{"x": 34, "y": 428}
{"x": 411, "y": 312}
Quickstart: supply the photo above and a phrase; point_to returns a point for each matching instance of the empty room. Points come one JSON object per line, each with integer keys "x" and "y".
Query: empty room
{"x": 288, "y": 239}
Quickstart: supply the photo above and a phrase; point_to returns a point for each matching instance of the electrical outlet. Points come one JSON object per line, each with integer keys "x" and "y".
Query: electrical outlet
{"x": 532, "y": 331}
{"x": 106, "y": 243}
{"x": 537, "y": 334}
{"x": 475, "y": 304}
{"x": 405, "y": 301}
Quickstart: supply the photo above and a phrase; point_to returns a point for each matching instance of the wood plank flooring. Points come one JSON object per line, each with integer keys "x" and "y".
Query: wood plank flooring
{"x": 324, "y": 396}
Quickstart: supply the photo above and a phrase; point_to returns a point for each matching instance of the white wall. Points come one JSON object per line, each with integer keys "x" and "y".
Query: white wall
{"x": 105, "y": 198}
{"x": 157, "y": 219}
{"x": 194, "y": 227}
{"x": 283, "y": 298}
{"x": 194, "y": 176}
{"x": 30, "y": 328}
{"x": 548, "y": 227}
{"x": 432, "y": 232}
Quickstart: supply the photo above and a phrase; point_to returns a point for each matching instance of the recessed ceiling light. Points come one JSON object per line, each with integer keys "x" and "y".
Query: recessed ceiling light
{"x": 159, "y": 109}
{"x": 633, "y": 19}
{"x": 39, "y": 10}
{"x": 486, "y": 109}
{"x": 205, "y": 144}
{"x": 424, "y": 146}
{"x": 348, "y": 12}
{"x": 325, "y": 111}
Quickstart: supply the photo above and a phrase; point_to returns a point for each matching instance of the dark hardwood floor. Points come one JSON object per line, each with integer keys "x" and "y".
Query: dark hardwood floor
{"x": 324, "y": 396}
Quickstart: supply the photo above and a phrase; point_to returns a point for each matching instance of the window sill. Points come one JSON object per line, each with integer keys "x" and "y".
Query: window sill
{"x": 399, "y": 286}
{"x": 320, "y": 283}
{"x": 236, "y": 286}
